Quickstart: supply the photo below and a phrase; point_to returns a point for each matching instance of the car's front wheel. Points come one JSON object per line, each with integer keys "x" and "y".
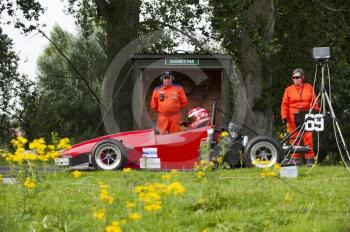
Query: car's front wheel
{"x": 109, "y": 155}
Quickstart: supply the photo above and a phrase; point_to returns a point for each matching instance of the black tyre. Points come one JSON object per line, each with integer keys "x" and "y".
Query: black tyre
{"x": 263, "y": 148}
{"x": 109, "y": 154}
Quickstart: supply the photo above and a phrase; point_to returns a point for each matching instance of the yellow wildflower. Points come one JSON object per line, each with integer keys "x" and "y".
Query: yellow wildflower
{"x": 52, "y": 154}
{"x": 76, "y": 174}
{"x": 219, "y": 159}
{"x": 160, "y": 188}
{"x": 267, "y": 173}
{"x": 166, "y": 176}
{"x": 104, "y": 186}
{"x": 281, "y": 136}
{"x": 43, "y": 158}
{"x": 149, "y": 197}
{"x": 153, "y": 207}
{"x": 30, "y": 183}
{"x": 264, "y": 162}
{"x": 100, "y": 214}
{"x": 107, "y": 198}
{"x": 277, "y": 167}
{"x": 127, "y": 170}
{"x": 22, "y": 140}
{"x": 114, "y": 227}
{"x": 202, "y": 162}
{"x": 223, "y": 134}
{"x": 19, "y": 141}
{"x": 110, "y": 200}
{"x": 14, "y": 142}
{"x": 1, "y": 178}
{"x": 139, "y": 189}
{"x": 200, "y": 174}
{"x": 130, "y": 205}
{"x": 256, "y": 161}
{"x": 134, "y": 216}
{"x": 287, "y": 198}
{"x": 29, "y": 156}
{"x": 38, "y": 145}
{"x": 104, "y": 195}
{"x": 211, "y": 165}
{"x": 176, "y": 188}
{"x": 173, "y": 173}
{"x": 63, "y": 144}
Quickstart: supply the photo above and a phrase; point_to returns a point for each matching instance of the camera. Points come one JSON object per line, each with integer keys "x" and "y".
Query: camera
{"x": 321, "y": 53}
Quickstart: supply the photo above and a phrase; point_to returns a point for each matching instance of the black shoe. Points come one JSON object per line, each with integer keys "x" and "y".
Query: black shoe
{"x": 297, "y": 161}
{"x": 310, "y": 162}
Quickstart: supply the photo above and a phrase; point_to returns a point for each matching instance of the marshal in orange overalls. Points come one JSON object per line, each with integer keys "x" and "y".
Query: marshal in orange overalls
{"x": 295, "y": 99}
{"x": 168, "y": 101}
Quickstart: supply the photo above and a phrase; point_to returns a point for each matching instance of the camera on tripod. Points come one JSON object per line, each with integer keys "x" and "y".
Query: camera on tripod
{"x": 321, "y": 53}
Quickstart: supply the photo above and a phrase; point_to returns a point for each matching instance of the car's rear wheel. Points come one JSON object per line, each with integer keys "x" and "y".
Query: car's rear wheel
{"x": 264, "y": 150}
{"x": 109, "y": 155}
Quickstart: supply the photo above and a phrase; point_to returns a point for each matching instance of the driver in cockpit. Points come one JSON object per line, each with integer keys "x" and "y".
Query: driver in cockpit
{"x": 197, "y": 117}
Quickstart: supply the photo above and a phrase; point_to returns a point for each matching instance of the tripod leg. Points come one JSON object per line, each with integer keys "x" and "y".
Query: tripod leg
{"x": 337, "y": 125}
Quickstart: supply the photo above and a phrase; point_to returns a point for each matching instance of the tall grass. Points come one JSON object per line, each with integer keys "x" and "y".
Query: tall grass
{"x": 227, "y": 200}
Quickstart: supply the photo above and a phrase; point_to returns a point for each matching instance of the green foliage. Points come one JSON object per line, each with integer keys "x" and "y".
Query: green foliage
{"x": 9, "y": 83}
{"x": 61, "y": 102}
{"x": 24, "y": 13}
{"x": 229, "y": 20}
{"x": 300, "y": 26}
{"x": 236, "y": 200}
{"x": 181, "y": 20}
{"x": 86, "y": 15}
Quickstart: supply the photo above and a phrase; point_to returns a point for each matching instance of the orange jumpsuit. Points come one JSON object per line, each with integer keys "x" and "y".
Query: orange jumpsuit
{"x": 168, "y": 101}
{"x": 298, "y": 98}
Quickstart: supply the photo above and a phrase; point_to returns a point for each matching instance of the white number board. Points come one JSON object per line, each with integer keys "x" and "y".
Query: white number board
{"x": 151, "y": 163}
{"x": 314, "y": 122}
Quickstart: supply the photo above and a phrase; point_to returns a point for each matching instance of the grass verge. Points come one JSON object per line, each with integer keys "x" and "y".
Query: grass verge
{"x": 226, "y": 200}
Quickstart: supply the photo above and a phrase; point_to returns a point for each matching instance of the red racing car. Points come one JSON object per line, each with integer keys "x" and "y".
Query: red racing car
{"x": 146, "y": 149}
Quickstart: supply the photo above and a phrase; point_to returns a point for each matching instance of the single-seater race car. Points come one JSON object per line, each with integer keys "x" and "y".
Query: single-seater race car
{"x": 145, "y": 149}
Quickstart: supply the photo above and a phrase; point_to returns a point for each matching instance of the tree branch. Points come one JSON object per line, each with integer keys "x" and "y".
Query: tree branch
{"x": 74, "y": 68}
{"x": 331, "y": 9}
{"x": 162, "y": 25}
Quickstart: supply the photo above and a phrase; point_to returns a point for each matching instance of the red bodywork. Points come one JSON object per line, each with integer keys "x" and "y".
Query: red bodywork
{"x": 175, "y": 151}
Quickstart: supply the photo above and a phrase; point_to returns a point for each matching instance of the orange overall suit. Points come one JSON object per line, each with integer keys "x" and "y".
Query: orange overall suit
{"x": 168, "y": 101}
{"x": 295, "y": 99}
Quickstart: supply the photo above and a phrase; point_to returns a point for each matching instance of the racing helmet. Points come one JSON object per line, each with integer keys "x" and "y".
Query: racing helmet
{"x": 167, "y": 74}
{"x": 198, "y": 117}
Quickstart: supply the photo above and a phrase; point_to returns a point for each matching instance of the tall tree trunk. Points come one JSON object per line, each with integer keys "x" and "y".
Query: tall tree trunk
{"x": 252, "y": 71}
{"x": 122, "y": 25}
